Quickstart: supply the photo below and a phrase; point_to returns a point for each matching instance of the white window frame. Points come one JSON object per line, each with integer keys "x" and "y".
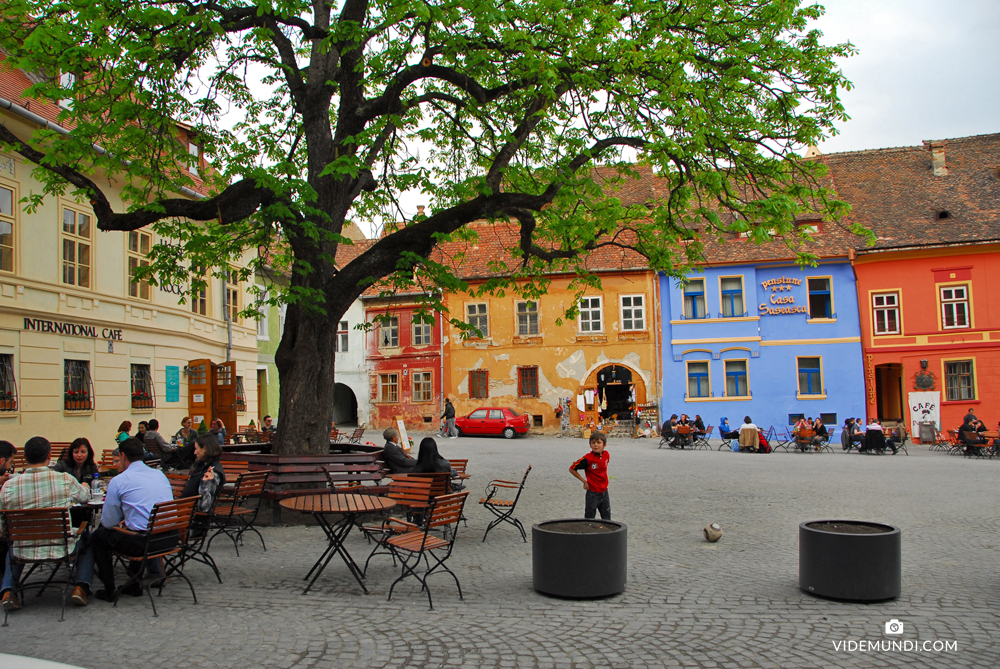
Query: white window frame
{"x": 531, "y": 318}
{"x": 264, "y": 323}
{"x": 429, "y": 381}
{"x": 480, "y": 319}
{"x": 422, "y": 330}
{"x": 585, "y": 319}
{"x": 11, "y": 220}
{"x": 953, "y": 302}
{"x": 66, "y": 81}
{"x": 885, "y": 307}
{"x": 76, "y": 239}
{"x": 641, "y": 309}
{"x": 342, "y": 342}
{"x": 391, "y": 325}
{"x": 140, "y": 261}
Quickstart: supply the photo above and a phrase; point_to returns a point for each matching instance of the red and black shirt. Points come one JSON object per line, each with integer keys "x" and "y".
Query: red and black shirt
{"x": 597, "y": 470}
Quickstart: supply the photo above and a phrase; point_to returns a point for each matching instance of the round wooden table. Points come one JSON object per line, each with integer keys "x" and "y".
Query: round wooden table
{"x": 347, "y": 506}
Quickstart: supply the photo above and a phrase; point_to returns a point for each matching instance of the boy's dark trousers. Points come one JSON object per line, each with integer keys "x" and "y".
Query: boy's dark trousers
{"x": 597, "y": 501}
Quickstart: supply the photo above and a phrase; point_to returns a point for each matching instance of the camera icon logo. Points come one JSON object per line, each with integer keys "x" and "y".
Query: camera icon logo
{"x": 894, "y": 627}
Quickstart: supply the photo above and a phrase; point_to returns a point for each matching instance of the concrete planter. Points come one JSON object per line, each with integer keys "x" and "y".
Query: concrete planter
{"x": 579, "y": 558}
{"x": 850, "y": 560}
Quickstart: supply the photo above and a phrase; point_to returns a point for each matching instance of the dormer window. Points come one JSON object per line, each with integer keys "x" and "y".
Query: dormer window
{"x": 195, "y": 153}
{"x": 809, "y": 225}
{"x": 66, "y": 81}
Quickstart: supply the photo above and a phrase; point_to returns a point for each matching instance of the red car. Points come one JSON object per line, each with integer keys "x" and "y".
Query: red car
{"x": 493, "y": 421}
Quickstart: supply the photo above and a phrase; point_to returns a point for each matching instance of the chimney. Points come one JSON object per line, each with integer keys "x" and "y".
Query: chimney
{"x": 937, "y": 157}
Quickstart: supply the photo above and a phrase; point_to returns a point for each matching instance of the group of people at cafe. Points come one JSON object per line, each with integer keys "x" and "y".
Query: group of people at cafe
{"x": 679, "y": 438}
{"x": 131, "y": 495}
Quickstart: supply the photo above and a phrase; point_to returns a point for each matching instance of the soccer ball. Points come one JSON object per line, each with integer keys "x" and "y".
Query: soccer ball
{"x": 713, "y": 531}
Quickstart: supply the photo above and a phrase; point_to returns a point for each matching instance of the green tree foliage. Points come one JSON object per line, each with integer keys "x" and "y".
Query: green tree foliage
{"x": 314, "y": 114}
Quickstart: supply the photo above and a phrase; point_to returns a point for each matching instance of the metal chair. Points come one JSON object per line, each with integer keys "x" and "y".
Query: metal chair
{"x": 701, "y": 438}
{"x": 503, "y": 509}
{"x": 727, "y": 442}
{"x": 410, "y": 547}
{"x": 30, "y": 532}
{"x": 413, "y": 495}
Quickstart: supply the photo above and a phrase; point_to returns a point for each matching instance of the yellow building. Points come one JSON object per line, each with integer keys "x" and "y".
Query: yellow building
{"x": 605, "y": 361}
{"x": 83, "y": 348}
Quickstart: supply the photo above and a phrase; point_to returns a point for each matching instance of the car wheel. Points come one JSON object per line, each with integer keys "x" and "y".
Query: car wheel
{"x": 459, "y": 430}
{"x": 509, "y": 433}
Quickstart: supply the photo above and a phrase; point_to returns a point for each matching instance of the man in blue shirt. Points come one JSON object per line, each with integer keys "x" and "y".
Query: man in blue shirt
{"x": 129, "y": 501}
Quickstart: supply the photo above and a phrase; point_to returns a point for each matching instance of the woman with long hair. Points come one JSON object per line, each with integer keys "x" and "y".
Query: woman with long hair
{"x": 123, "y": 431}
{"x": 207, "y": 476}
{"x": 429, "y": 460}
{"x": 78, "y": 461}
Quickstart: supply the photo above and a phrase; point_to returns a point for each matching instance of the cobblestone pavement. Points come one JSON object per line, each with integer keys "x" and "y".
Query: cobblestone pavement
{"x": 735, "y": 603}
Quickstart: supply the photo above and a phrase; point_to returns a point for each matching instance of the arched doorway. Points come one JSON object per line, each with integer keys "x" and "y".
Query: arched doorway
{"x": 617, "y": 390}
{"x": 345, "y": 405}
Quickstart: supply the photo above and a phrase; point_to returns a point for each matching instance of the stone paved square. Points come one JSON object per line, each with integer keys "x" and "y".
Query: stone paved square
{"x": 688, "y": 603}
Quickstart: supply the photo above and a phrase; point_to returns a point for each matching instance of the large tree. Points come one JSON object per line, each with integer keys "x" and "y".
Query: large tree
{"x": 318, "y": 113}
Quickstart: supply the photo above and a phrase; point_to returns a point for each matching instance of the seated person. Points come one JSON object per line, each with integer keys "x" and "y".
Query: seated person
{"x": 749, "y": 436}
{"x": 857, "y": 432}
{"x": 802, "y": 424}
{"x": 726, "y": 431}
{"x": 969, "y": 437}
{"x": 762, "y": 446}
{"x": 669, "y": 430}
{"x": 699, "y": 426}
{"x": 874, "y": 437}
{"x": 396, "y": 460}
{"x": 78, "y": 461}
{"x": 218, "y": 430}
{"x": 184, "y": 442}
{"x": 897, "y": 438}
{"x": 820, "y": 433}
{"x": 845, "y": 435}
{"x": 266, "y": 426}
{"x": 430, "y": 461}
{"x": 206, "y": 479}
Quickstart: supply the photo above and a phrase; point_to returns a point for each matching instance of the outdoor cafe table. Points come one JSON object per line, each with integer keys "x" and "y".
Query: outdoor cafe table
{"x": 348, "y": 506}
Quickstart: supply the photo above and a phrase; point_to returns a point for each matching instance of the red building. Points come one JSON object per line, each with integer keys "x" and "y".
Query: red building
{"x": 404, "y": 363}
{"x": 930, "y": 319}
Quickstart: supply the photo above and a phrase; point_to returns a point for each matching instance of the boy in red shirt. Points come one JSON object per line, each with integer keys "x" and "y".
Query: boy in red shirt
{"x": 596, "y": 483}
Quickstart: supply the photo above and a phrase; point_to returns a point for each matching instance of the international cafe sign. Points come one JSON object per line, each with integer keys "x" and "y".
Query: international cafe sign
{"x": 780, "y": 304}
{"x": 73, "y": 329}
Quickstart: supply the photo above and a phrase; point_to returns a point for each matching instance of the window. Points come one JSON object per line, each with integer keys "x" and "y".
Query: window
{"x": 590, "y": 315}
{"x": 282, "y": 310}
{"x": 138, "y": 248}
{"x": 794, "y": 418}
{"x": 828, "y": 418}
{"x": 694, "y": 299}
{"x": 477, "y": 317}
{"x": 76, "y": 248}
{"x": 7, "y": 203}
{"x": 479, "y": 384}
{"x": 194, "y": 151}
{"x": 633, "y": 312}
{"x": 340, "y": 343}
{"x": 199, "y": 299}
{"x": 78, "y": 390}
{"x": 233, "y": 294}
{"x": 66, "y": 81}
{"x": 478, "y": 414}
{"x": 736, "y": 378}
{"x": 527, "y": 318}
{"x": 263, "y": 322}
{"x": 955, "y": 307}
{"x": 8, "y": 386}
{"x": 820, "y": 298}
{"x": 810, "y": 376}
{"x": 959, "y": 380}
{"x": 241, "y": 396}
{"x": 422, "y": 387}
{"x": 388, "y": 387}
{"x": 527, "y": 381}
{"x": 697, "y": 379}
{"x": 886, "y": 313}
{"x": 422, "y": 330}
{"x": 388, "y": 332}
{"x": 142, "y": 388}
{"x": 732, "y": 297}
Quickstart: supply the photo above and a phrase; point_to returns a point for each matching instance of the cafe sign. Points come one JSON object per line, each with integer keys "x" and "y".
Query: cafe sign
{"x": 74, "y": 329}
{"x": 781, "y": 304}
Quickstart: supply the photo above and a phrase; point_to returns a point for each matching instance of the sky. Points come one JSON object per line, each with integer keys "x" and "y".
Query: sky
{"x": 926, "y": 69}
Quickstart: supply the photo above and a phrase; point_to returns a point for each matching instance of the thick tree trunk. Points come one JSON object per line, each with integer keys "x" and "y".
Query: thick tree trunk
{"x": 305, "y": 361}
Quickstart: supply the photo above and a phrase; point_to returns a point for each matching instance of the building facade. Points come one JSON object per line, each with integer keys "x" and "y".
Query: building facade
{"x": 769, "y": 340}
{"x": 82, "y": 346}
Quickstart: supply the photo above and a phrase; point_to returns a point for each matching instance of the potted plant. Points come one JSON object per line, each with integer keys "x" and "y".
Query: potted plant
{"x": 850, "y": 560}
{"x": 579, "y": 558}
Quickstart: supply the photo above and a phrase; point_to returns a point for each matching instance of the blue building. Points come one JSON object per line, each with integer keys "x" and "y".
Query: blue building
{"x": 769, "y": 340}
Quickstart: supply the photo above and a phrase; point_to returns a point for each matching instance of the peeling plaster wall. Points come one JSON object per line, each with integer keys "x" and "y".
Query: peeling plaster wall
{"x": 564, "y": 356}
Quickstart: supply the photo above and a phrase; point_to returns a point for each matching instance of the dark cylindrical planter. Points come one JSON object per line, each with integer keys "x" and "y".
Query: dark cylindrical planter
{"x": 579, "y": 558}
{"x": 861, "y": 566}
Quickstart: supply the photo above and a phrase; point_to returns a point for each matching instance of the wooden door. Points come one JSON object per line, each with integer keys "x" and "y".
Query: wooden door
{"x": 224, "y": 395}
{"x": 200, "y": 391}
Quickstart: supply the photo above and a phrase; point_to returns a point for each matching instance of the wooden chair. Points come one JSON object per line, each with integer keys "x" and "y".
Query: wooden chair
{"x": 232, "y": 516}
{"x": 27, "y": 531}
{"x": 107, "y": 463}
{"x": 177, "y": 483}
{"x": 410, "y": 547}
{"x": 336, "y": 435}
{"x": 727, "y": 442}
{"x": 503, "y": 509}
{"x": 410, "y": 494}
{"x": 803, "y": 439}
{"x": 166, "y": 535}
{"x": 194, "y": 549}
{"x": 460, "y": 466}
{"x": 356, "y": 436}
{"x": 683, "y": 437}
{"x": 233, "y": 469}
{"x": 18, "y": 463}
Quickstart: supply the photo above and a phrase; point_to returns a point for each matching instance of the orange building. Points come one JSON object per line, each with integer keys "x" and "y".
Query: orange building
{"x": 529, "y": 361}
{"x": 930, "y": 319}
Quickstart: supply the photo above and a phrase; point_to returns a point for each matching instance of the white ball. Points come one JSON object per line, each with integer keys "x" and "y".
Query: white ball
{"x": 713, "y": 532}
